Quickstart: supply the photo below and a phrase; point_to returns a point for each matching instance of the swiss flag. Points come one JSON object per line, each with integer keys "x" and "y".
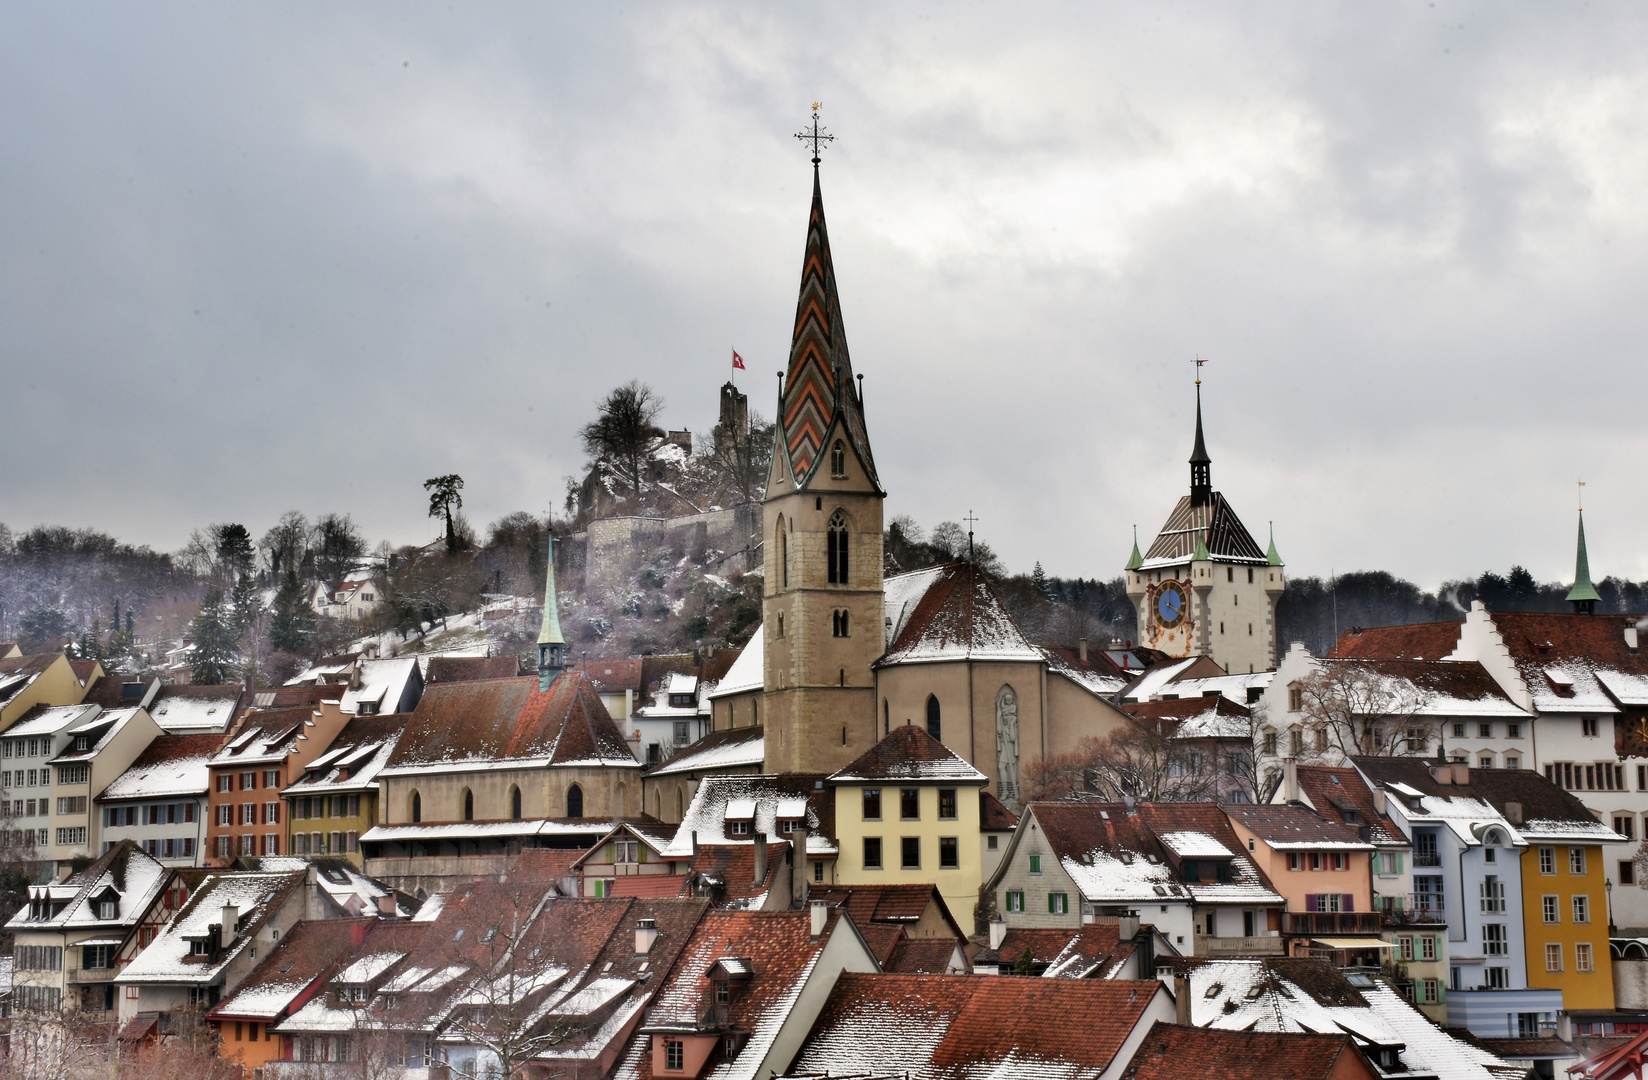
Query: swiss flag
{"x": 737, "y": 361}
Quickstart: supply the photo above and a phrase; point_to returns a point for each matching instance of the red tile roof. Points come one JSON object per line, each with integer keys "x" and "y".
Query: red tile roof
{"x": 1184, "y": 708}
{"x": 896, "y": 905}
{"x": 1293, "y": 826}
{"x": 1089, "y": 951}
{"x": 910, "y": 754}
{"x": 1416, "y": 641}
{"x": 1466, "y": 680}
{"x": 498, "y": 719}
{"x": 993, "y": 815}
{"x": 733, "y": 866}
{"x": 973, "y": 1025}
{"x": 921, "y": 956}
{"x": 1169, "y": 1052}
{"x": 305, "y": 955}
{"x": 450, "y": 669}
{"x": 958, "y": 616}
{"x": 1334, "y": 790}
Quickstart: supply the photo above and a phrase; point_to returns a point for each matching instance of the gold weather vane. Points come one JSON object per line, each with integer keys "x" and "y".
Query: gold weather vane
{"x": 1582, "y": 496}
{"x": 817, "y": 136}
{"x": 1199, "y": 361}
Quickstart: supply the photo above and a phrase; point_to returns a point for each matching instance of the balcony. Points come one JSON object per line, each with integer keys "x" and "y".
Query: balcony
{"x": 1427, "y": 858}
{"x": 1268, "y": 945}
{"x": 705, "y": 1018}
{"x": 1329, "y": 923}
{"x": 1414, "y": 909}
{"x": 87, "y": 976}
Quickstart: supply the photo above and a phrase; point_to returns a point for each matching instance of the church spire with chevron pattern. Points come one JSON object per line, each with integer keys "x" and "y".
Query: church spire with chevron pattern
{"x": 818, "y": 388}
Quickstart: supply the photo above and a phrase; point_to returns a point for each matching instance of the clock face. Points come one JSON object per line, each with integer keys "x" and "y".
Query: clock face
{"x": 1170, "y": 604}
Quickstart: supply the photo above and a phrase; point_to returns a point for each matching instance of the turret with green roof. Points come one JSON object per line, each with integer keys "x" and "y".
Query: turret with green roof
{"x": 1135, "y": 560}
{"x": 551, "y": 645}
{"x": 1583, "y": 595}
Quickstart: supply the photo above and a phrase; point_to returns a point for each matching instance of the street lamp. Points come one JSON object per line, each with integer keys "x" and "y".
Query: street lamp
{"x": 1608, "y": 887}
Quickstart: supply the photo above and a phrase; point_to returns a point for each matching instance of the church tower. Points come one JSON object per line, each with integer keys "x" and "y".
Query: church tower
{"x": 822, "y": 608}
{"x": 1583, "y": 595}
{"x": 1205, "y": 588}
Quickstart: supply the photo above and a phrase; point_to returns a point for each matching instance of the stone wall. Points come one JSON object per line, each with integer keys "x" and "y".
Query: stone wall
{"x": 729, "y": 541}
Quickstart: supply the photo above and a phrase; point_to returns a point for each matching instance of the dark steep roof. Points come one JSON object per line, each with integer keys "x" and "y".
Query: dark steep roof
{"x": 954, "y": 614}
{"x": 1169, "y": 1052}
{"x": 503, "y": 719}
{"x": 1293, "y": 826}
{"x": 1540, "y": 799}
{"x": 447, "y": 669}
{"x": 1227, "y": 538}
{"x": 1334, "y": 790}
{"x": 1417, "y": 641}
{"x": 994, "y": 815}
{"x": 909, "y": 754}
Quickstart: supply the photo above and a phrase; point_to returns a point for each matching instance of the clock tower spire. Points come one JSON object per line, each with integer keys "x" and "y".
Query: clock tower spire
{"x": 1201, "y": 465}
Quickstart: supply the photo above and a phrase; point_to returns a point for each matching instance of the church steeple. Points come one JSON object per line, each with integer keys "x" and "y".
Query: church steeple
{"x": 1201, "y": 465}
{"x": 551, "y": 645}
{"x": 818, "y": 390}
{"x": 1583, "y": 595}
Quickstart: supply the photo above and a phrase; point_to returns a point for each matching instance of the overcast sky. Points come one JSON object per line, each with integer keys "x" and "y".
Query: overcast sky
{"x": 263, "y": 257}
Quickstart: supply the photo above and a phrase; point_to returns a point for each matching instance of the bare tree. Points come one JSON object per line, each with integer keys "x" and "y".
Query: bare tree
{"x": 1142, "y": 759}
{"x": 191, "y": 1047}
{"x": 53, "y": 1044}
{"x": 285, "y": 545}
{"x": 1352, "y": 708}
{"x": 625, "y": 431}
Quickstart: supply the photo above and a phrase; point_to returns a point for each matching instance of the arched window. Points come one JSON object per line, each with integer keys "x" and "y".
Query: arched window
{"x": 782, "y": 540}
{"x": 575, "y": 801}
{"x": 469, "y": 805}
{"x": 933, "y": 724}
{"x": 838, "y": 461}
{"x": 838, "y": 623}
{"x": 680, "y": 810}
{"x": 886, "y": 718}
{"x": 514, "y": 803}
{"x": 780, "y": 624}
{"x": 837, "y": 552}
{"x": 416, "y": 811}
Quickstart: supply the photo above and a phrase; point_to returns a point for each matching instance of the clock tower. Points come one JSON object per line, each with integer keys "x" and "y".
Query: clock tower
{"x": 1204, "y": 588}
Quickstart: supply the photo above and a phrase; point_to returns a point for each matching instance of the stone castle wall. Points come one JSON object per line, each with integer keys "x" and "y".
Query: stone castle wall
{"x": 728, "y": 540}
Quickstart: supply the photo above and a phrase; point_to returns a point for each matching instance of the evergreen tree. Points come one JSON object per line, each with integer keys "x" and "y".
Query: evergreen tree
{"x": 444, "y": 499}
{"x": 292, "y": 622}
{"x": 216, "y": 645}
{"x": 1038, "y": 578}
{"x": 234, "y": 550}
{"x": 243, "y": 605}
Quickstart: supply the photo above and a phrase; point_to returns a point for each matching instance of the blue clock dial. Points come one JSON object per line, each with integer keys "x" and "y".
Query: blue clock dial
{"x": 1170, "y": 604}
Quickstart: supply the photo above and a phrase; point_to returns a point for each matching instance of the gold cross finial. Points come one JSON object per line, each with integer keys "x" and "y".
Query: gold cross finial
{"x": 817, "y": 136}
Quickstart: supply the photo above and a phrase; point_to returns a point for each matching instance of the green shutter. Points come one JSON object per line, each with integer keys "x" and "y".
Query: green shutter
{"x": 1035, "y": 864}
{"x": 1398, "y": 862}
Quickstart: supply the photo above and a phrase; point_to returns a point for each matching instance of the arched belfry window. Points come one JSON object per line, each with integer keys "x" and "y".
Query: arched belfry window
{"x": 837, "y": 548}
{"x": 934, "y": 726}
{"x": 838, "y": 461}
{"x": 468, "y": 805}
{"x": 839, "y": 623}
{"x": 514, "y": 803}
{"x": 416, "y": 811}
{"x": 575, "y": 801}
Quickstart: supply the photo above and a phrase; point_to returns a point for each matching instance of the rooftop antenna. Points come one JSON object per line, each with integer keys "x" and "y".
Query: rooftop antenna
{"x": 817, "y": 136}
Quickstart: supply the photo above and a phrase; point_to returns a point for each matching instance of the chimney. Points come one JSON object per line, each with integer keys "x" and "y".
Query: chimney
{"x": 760, "y": 857}
{"x": 1181, "y": 999}
{"x": 695, "y": 843}
{"x": 1461, "y": 773}
{"x": 1290, "y": 780}
{"x": 1631, "y": 638}
{"x": 1442, "y": 773}
{"x": 1379, "y": 801}
{"x": 1082, "y": 650}
{"x": 998, "y": 933}
{"x": 1564, "y": 1026}
{"x": 386, "y": 907}
{"x": 629, "y": 702}
{"x": 646, "y": 932}
{"x": 231, "y": 919}
{"x": 798, "y": 863}
{"x": 820, "y": 916}
{"x": 1127, "y": 927}
{"x": 1513, "y": 813}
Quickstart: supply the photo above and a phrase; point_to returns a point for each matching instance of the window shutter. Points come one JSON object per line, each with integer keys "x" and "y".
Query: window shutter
{"x": 1398, "y": 862}
{"x": 1348, "y": 902}
{"x": 1310, "y": 902}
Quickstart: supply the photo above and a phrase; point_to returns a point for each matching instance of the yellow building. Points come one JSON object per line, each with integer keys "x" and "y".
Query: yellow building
{"x": 1565, "y": 911}
{"x": 335, "y": 800}
{"x": 907, "y": 812}
{"x": 42, "y": 679}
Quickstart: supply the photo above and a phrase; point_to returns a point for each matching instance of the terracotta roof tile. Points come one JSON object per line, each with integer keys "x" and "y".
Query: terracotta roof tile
{"x": 291, "y": 971}
{"x": 934, "y": 1025}
{"x": 921, "y": 956}
{"x": 1416, "y": 641}
{"x": 1088, "y": 951}
{"x": 733, "y": 867}
{"x": 497, "y": 719}
{"x": 1169, "y": 1052}
{"x": 450, "y": 669}
{"x": 1185, "y": 708}
{"x": 894, "y": 905}
{"x": 993, "y": 814}
{"x": 1293, "y": 826}
{"x": 1540, "y": 799}
{"x": 909, "y": 754}
{"x": 1333, "y": 790}
{"x": 956, "y": 616}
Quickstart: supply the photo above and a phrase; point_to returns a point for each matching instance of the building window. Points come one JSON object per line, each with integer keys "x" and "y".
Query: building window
{"x": 1512, "y": 761}
{"x": 248, "y": 781}
{"x": 271, "y": 843}
{"x": 838, "y": 461}
{"x": 248, "y": 844}
{"x": 837, "y": 549}
{"x": 1553, "y": 957}
{"x": 1427, "y": 948}
{"x": 1341, "y": 861}
{"x": 1296, "y": 697}
{"x": 872, "y": 804}
{"x": 271, "y": 779}
{"x": 675, "y": 1054}
{"x": 248, "y": 813}
{"x": 947, "y": 804}
{"x": 1576, "y": 861}
{"x": 818, "y": 871}
{"x": 416, "y": 808}
{"x": 683, "y": 732}
{"x": 575, "y": 801}
{"x": 1494, "y": 942}
{"x": 1484, "y": 731}
{"x": 1429, "y": 991}
{"x": 353, "y": 840}
{"x": 838, "y": 623}
{"x": 935, "y": 725}
{"x": 72, "y": 774}
{"x": 1270, "y": 744}
{"x": 1588, "y": 726}
{"x": 1058, "y": 903}
{"x": 1582, "y": 909}
{"x": 1035, "y": 864}
{"x": 1551, "y": 908}
{"x": 1485, "y": 761}
{"x": 271, "y": 813}
{"x": 910, "y": 853}
{"x": 949, "y": 853}
{"x": 909, "y": 804}
{"x": 1582, "y": 956}
{"x": 469, "y": 806}
{"x": 1404, "y": 945}
{"x": 872, "y": 853}
{"x": 1295, "y": 861}
{"x": 1627, "y": 872}
{"x": 1626, "y": 825}
{"x": 1015, "y": 901}
{"x": 225, "y": 782}
{"x": 1547, "y": 860}
{"x": 1513, "y": 730}
{"x": 1492, "y": 893}
{"x": 225, "y": 846}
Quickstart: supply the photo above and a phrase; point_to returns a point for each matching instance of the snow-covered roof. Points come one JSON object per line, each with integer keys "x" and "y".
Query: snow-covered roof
{"x": 363, "y": 969}
{"x": 382, "y": 683}
{"x": 727, "y": 749}
{"x": 950, "y": 613}
{"x": 198, "y": 711}
{"x": 591, "y": 827}
{"x": 747, "y": 673}
{"x": 1195, "y": 845}
{"x": 1234, "y": 687}
{"x": 171, "y": 766}
{"x": 255, "y": 894}
{"x": 126, "y": 873}
{"x": 53, "y": 720}
{"x": 1150, "y": 684}
{"x": 909, "y": 754}
{"x": 706, "y": 815}
{"x": 352, "y": 763}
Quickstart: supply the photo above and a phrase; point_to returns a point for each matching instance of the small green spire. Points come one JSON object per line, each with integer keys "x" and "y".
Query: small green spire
{"x": 551, "y": 645}
{"x": 1202, "y": 554}
{"x": 1135, "y": 560}
{"x": 1583, "y": 595}
{"x": 1271, "y": 556}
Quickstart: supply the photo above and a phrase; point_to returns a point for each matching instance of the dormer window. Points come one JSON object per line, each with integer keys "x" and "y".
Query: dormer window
{"x": 108, "y": 909}
{"x": 738, "y": 828}
{"x": 197, "y": 947}
{"x": 82, "y": 742}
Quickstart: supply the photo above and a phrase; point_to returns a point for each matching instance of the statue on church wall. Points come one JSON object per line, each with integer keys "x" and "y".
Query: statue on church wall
{"x": 1007, "y": 745}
